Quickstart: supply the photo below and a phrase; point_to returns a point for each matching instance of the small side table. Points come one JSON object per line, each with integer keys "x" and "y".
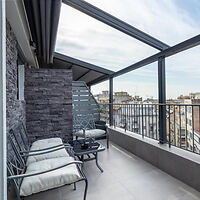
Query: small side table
{"x": 89, "y": 153}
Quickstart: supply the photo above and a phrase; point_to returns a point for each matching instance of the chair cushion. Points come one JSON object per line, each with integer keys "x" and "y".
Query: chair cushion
{"x": 45, "y": 144}
{"x": 91, "y": 133}
{"x": 50, "y": 180}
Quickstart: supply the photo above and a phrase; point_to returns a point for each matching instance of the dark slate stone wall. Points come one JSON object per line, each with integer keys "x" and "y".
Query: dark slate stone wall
{"x": 48, "y": 95}
{"x": 15, "y": 108}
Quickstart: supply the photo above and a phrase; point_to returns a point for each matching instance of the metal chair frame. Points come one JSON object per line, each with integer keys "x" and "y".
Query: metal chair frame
{"x": 16, "y": 169}
{"x": 19, "y": 133}
{"x": 86, "y": 122}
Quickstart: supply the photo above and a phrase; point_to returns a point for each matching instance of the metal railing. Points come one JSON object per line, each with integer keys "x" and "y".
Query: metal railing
{"x": 182, "y": 122}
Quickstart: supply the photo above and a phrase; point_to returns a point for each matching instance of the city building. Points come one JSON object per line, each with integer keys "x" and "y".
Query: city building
{"x": 118, "y": 97}
{"x": 122, "y": 97}
{"x": 185, "y": 123}
{"x": 195, "y": 95}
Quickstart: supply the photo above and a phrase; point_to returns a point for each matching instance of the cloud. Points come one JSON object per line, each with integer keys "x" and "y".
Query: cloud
{"x": 85, "y": 38}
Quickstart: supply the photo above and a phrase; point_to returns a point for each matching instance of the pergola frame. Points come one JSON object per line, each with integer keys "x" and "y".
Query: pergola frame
{"x": 115, "y": 23}
{"x": 86, "y": 65}
{"x": 165, "y": 49}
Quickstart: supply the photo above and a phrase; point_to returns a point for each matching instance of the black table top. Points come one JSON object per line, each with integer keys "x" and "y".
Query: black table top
{"x": 93, "y": 147}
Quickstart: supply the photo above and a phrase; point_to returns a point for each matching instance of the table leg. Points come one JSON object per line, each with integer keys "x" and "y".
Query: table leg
{"x": 82, "y": 159}
{"x": 97, "y": 164}
{"x": 74, "y": 186}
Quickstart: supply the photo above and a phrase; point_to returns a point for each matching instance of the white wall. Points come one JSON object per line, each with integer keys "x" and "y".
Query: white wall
{"x": 3, "y": 175}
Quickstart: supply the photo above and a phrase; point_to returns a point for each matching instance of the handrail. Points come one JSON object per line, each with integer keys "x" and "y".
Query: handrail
{"x": 143, "y": 119}
{"x": 161, "y": 104}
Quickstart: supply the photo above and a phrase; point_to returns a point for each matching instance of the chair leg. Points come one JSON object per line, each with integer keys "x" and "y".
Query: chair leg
{"x": 86, "y": 187}
{"x": 18, "y": 196}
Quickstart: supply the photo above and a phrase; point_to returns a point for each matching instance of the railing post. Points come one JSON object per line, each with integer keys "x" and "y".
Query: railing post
{"x": 111, "y": 101}
{"x": 3, "y": 148}
{"x": 162, "y": 100}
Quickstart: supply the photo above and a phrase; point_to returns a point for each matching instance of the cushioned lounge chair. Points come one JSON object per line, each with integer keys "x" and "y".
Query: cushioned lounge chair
{"x": 40, "y": 149}
{"x": 41, "y": 175}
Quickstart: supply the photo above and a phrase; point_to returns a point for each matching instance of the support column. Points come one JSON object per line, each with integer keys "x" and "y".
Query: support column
{"x": 111, "y": 101}
{"x": 3, "y": 149}
{"x": 162, "y": 100}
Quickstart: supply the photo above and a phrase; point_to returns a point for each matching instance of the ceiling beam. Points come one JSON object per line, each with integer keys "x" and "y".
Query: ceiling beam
{"x": 115, "y": 23}
{"x": 187, "y": 44}
{"x": 82, "y": 63}
{"x": 16, "y": 15}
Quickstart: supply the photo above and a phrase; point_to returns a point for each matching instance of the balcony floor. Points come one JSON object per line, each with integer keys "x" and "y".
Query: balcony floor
{"x": 125, "y": 177}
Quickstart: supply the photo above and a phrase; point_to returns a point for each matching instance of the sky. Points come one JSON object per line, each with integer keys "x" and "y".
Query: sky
{"x": 171, "y": 21}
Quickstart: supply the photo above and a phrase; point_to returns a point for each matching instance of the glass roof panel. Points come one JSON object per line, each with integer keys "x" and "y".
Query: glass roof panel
{"x": 171, "y": 21}
{"x": 82, "y": 37}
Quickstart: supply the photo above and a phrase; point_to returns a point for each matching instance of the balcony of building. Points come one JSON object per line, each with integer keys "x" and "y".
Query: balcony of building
{"x": 154, "y": 148}
{"x": 125, "y": 176}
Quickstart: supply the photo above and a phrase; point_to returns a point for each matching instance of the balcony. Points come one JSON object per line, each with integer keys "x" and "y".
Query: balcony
{"x": 155, "y": 148}
{"x": 125, "y": 176}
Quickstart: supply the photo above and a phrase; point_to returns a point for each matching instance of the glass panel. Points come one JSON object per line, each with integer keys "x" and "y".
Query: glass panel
{"x": 87, "y": 39}
{"x": 170, "y": 21}
{"x": 98, "y": 88}
{"x": 183, "y": 72}
{"x": 141, "y": 82}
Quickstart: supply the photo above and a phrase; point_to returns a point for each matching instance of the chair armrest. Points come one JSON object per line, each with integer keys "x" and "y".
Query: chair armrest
{"x": 100, "y": 125}
{"x": 37, "y": 150}
{"x": 40, "y": 153}
{"x": 43, "y": 172}
{"x": 101, "y": 121}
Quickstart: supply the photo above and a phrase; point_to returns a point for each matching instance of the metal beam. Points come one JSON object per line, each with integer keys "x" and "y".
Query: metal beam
{"x": 82, "y": 63}
{"x": 162, "y": 100}
{"x": 192, "y": 42}
{"x": 3, "y": 146}
{"x": 115, "y": 23}
{"x": 111, "y": 101}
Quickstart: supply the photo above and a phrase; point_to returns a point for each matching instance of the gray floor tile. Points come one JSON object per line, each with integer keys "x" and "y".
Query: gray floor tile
{"x": 125, "y": 177}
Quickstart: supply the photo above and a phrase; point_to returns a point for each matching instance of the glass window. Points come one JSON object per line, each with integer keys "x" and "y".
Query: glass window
{"x": 180, "y": 76}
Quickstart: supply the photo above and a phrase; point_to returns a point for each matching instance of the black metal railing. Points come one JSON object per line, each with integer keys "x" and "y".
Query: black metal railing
{"x": 182, "y": 122}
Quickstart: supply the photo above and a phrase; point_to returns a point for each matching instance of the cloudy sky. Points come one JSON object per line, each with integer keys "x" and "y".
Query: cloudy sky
{"x": 171, "y": 21}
